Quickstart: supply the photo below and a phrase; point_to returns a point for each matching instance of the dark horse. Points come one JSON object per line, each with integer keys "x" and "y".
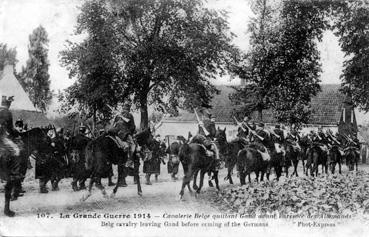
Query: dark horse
{"x": 334, "y": 158}
{"x": 230, "y": 157}
{"x": 13, "y": 165}
{"x": 315, "y": 157}
{"x": 194, "y": 159}
{"x": 292, "y": 156}
{"x": 249, "y": 160}
{"x": 352, "y": 158}
{"x": 104, "y": 151}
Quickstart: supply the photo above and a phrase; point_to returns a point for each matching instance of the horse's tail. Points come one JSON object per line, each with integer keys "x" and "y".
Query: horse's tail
{"x": 89, "y": 155}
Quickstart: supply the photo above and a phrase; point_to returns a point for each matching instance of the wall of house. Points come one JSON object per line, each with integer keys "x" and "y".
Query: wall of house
{"x": 182, "y": 128}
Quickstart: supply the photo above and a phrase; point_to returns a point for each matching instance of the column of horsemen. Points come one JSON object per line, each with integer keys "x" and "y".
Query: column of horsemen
{"x": 257, "y": 148}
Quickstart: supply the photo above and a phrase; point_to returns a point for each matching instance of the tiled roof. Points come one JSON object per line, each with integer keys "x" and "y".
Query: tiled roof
{"x": 32, "y": 118}
{"x": 326, "y": 107}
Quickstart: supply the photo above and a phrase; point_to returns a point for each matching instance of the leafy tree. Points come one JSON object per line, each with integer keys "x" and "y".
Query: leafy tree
{"x": 255, "y": 94}
{"x": 169, "y": 50}
{"x": 7, "y": 55}
{"x": 35, "y": 77}
{"x": 352, "y": 28}
{"x": 283, "y": 59}
{"x": 94, "y": 63}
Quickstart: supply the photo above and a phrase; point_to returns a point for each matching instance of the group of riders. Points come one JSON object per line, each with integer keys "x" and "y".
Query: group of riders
{"x": 64, "y": 155}
{"x": 66, "y": 151}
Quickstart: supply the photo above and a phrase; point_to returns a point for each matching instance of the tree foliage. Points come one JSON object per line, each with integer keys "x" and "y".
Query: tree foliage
{"x": 282, "y": 67}
{"x": 352, "y": 27}
{"x": 93, "y": 63}
{"x": 166, "y": 51}
{"x": 7, "y": 55}
{"x": 35, "y": 77}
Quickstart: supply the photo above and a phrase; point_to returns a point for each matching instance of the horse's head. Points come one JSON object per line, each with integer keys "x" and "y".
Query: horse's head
{"x": 181, "y": 139}
{"x": 221, "y": 136}
{"x": 144, "y": 137}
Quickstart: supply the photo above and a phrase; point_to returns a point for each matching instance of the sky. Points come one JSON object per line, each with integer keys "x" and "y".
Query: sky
{"x": 18, "y": 18}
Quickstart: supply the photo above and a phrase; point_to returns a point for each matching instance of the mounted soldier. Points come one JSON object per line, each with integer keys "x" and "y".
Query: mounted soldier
{"x": 206, "y": 134}
{"x": 9, "y": 136}
{"x": 280, "y": 134}
{"x": 19, "y": 125}
{"x": 124, "y": 127}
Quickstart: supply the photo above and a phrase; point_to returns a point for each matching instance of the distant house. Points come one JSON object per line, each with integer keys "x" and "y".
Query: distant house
{"x": 328, "y": 108}
{"x": 21, "y": 107}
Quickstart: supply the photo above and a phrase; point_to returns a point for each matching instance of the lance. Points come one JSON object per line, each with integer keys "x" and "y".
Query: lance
{"x": 239, "y": 124}
{"x": 198, "y": 120}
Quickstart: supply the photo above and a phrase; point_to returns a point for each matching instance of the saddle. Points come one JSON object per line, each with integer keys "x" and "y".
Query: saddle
{"x": 262, "y": 150}
{"x": 278, "y": 148}
{"x": 264, "y": 155}
{"x": 119, "y": 142}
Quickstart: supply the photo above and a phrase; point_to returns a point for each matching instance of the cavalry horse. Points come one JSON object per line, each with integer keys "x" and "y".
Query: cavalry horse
{"x": 316, "y": 156}
{"x": 352, "y": 158}
{"x": 230, "y": 157}
{"x": 13, "y": 161}
{"x": 334, "y": 158}
{"x": 104, "y": 151}
{"x": 194, "y": 159}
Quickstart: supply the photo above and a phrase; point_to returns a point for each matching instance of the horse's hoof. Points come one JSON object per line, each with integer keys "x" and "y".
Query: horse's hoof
{"x": 139, "y": 194}
{"x": 9, "y": 213}
{"x": 179, "y": 198}
{"x": 122, "y": 185}
{"x": 148, "y": 183}
{"x": 112, "y": 195}
{"x": 197, "y": 195}
{"x": 111, "y": 184}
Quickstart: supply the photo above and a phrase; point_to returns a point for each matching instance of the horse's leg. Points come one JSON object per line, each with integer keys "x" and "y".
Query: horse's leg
{"x": 139, "y": 189}
{"x": 101, "y": 187}
{"x": 8, "y": 193}
{"x": 74, "y": 184}
{"x": 147, "y": 176}
{"x": 194, "y": 185}
{"x": 91, "y": 183}
{"x": 229, "y": 174}
{"x": 216, "y": 179}
{"x": 186, "y": 180}
{"x": 243, "y": 178}
{"x": 286, "y": 169}
{"x": 249, "y": 178}
{"x": 202, "y": 174}
{"x": 210, "y": 183}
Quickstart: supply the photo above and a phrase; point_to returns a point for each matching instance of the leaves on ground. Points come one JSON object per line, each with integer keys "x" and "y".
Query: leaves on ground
{"x": 333, "y": 194}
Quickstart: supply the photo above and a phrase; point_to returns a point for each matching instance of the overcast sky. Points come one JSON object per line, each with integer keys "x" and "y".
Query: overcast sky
{"x": 18, "y": 18}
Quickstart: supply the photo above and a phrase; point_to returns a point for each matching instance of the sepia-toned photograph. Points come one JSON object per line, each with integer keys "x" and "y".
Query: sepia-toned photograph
{"x": 184, "y": 118}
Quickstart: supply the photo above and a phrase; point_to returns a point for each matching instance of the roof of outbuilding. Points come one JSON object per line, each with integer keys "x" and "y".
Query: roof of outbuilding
{"x": 326, "y": 107}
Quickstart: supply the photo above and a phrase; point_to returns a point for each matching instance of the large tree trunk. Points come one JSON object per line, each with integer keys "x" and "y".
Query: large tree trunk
{"x": 144, "y": 113}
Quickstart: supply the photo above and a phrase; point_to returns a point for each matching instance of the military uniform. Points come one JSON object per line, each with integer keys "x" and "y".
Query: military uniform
{"x": 277, "y": 130}
{"x": 124, "y": 127}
